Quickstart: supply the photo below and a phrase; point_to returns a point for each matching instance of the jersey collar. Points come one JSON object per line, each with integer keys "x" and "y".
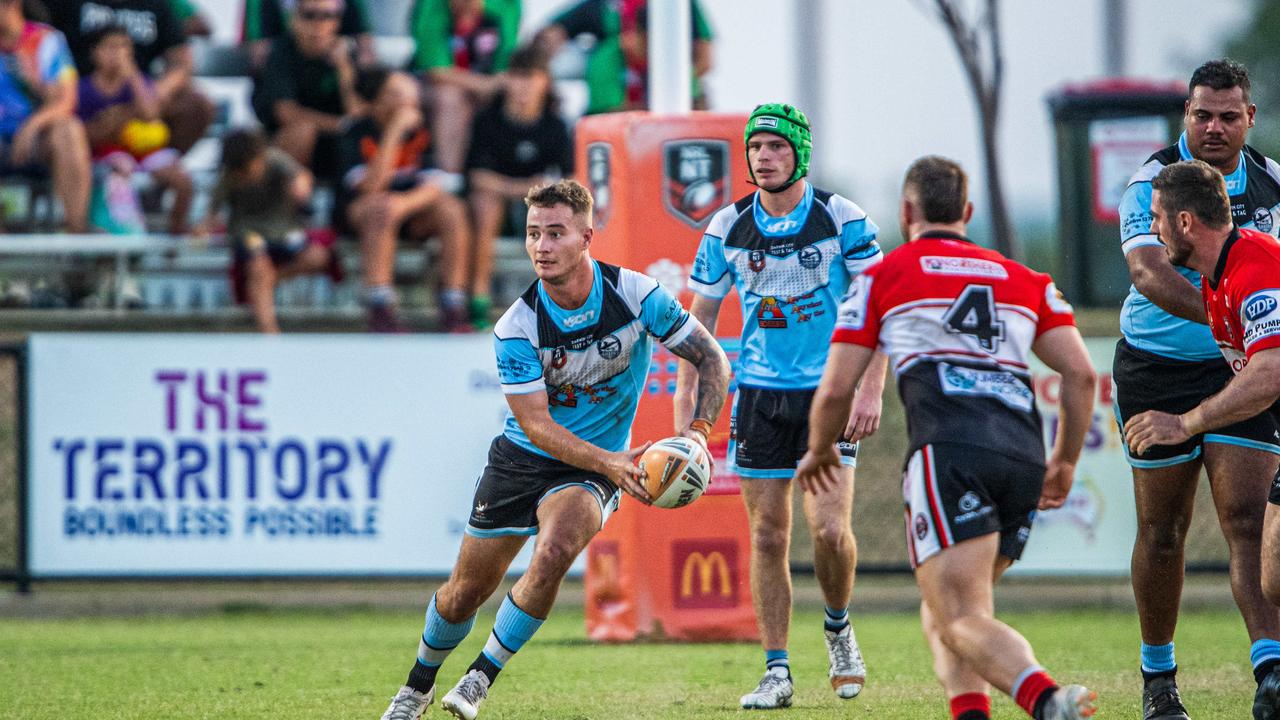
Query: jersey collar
{"x": 1222, "y": 258}
{"x": 945, "y": 235}
{"x": 1237, "y": 181}
{"x": 788, "y": 224}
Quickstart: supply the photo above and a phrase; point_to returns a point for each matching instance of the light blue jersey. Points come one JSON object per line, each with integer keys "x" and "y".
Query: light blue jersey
{"x": 591, "y": 361}
{"x": 791, "y": 273}
{"x": 1254, "y": 188}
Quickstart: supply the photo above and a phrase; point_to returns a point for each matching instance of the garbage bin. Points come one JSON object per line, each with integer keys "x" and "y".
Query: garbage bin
{"x": 1105, "y": 130}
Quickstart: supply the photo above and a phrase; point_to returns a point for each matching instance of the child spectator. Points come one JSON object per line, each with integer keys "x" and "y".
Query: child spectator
{"x": 38, "y": 125}
{"x": 264, "y": 190}
{"x": 518, "y": 141}
{"x": 388, "y": 185}
{"x": 121, "y": 113}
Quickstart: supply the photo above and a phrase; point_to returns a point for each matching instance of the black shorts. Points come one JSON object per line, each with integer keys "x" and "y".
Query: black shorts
{"x": 282, "y": 251}
{"x": 955, "y": 492}
{"x": 769, "y": 433}
{"x": 516, "y": 481}
{"x": 1146, "y": 381}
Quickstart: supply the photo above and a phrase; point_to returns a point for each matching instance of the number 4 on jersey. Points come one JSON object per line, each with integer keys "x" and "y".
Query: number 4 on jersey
{"x": 974, "y": 313}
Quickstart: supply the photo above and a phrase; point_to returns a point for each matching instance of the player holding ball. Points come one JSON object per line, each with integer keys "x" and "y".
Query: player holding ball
{"x": 573, "y": 354}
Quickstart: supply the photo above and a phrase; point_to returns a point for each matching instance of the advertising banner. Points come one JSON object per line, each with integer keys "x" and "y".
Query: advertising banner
{"x": 250, "y": 455}
{"x": 1093, "y": 532}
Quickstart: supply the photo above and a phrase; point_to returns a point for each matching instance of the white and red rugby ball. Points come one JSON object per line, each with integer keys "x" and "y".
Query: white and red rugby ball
{"x": 676, "y": 470}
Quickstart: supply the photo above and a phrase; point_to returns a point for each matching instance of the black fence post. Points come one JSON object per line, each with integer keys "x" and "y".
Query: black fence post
{"x": 22, "y": 466}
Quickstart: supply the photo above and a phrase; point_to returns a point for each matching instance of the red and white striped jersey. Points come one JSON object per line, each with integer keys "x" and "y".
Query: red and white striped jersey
{"x": 957, "y": 322}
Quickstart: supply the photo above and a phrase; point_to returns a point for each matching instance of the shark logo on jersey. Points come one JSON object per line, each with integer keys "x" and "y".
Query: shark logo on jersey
{"x": 1262, "y": 220}
{"x": 599, "y": 176}
{"x": 695, "y": 179}
{"x": 755, "y": 260}
{"x": 609, "y": 347}
{"x": 770, "y": 314}
{"x": 810, "y": 257}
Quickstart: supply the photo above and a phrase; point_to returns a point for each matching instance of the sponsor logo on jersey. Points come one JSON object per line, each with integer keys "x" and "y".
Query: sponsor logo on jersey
{"x": 971, "y": 508}
{"x": 921, "y": 526}
{"x": 853, "y": 308}
{"x": 1136, "y": 223}
{"x": 695, "y": 179}
{"x": 1262, "y": 220}
{"x": 599, "y": 176}
{"x": 810, "y": 257}
{"x": 1236, "y": 359}
{"x": 609, "y": 347}
{"x": 964, "y": 266}
{"x": 559, "y": 357}
{"x": 770, "y": 314}
{"x": 781, "y": 225}
{"x": 969, "y": 502}
{"x": 996, "y": 384}
{"x": 755, "y": 260}
{"x": 1054, "y": 298}
{"x": 574, "y": 321}
{"x": 1259, "y": 305}
{"x": 1260, "y": 319}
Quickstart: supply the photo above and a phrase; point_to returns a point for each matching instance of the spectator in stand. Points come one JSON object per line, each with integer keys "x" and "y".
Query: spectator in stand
{"x": 194, "y": 23}
{"x": 617, "y": 65}
{"x": 158, "y": 41}
{"x": 388, "y": 187}
{"x": 305, "y": 95}
{"x": 266, "y": 20}
{"x": 518, "y": 141}
{"x": 121, "y": 113}
{"x": 38, "y": 125}
{"x": 462, "y": 49}
{"x": 264, "y": 191}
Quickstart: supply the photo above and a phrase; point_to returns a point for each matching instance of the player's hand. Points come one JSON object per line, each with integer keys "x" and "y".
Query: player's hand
{"x": 864, "y": 419}
{"x": 1146, "y": 430}
{"x": 1058, "y": 477}
{"x": 621, "y": 469}
{"x": 819, "y": 471}
{"x": 701, "y": 439}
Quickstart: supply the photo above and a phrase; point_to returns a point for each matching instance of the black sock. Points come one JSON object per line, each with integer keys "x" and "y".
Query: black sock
{"x": 1148, "y": 676}
{"x": 486, "y": 666}
{"x": 422, "y": 677}
{"x": 973, "y": 715}
{"x": 1264, "y": 669}
{"x": 1043, "y": 700}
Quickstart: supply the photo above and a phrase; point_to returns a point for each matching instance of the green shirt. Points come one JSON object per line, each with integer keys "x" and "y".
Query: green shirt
{"x": 431, "y": 27}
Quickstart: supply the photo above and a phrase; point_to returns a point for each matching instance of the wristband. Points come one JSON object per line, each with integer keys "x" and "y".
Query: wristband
{"x": 701, "y": 426}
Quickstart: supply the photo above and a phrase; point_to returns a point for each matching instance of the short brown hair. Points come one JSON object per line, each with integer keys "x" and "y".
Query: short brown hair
{"x": 1196, "y": 187}
{"x": 564, "y": 192}
{"x": 938, "y": 187}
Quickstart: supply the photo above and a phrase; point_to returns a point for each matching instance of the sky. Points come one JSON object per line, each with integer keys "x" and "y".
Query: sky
{"x": 892, "y": 88}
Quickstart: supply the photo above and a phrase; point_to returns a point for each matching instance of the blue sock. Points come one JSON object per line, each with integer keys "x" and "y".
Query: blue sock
{"x": 777, "y": 658}
{"x": 439, "y": 638}
{"x": 836, "y": 620}
{"x": 511, "y": 630}
{"x": 1158, "y": 659}
{"x": 1265, "y": 655}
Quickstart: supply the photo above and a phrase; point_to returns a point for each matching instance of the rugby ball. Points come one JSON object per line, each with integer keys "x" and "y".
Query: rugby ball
{"x": 676, "y": 471}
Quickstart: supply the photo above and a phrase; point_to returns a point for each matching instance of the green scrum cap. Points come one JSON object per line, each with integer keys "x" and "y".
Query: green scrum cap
{"x": 789, "y": 123}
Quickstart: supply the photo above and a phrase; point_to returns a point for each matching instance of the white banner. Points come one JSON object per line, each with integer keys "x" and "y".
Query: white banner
{"x": 251, "y": 455}
{"x": 1093, "y": 532}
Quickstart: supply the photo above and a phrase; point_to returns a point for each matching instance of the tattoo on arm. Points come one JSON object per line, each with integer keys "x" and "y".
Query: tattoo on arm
{"x": 704, "y": 353}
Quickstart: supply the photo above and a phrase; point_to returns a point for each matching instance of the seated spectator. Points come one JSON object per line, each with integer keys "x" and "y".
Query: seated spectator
{"x": 121, "y": 113}
{"x": 194, "y": 23}
{"x": 39, "y": 129}
{"x": 518, "y": 141}
{"x": 617, "y": 64}
{"x": 160, "y": 50}
{"x": 264, "y": 191}
{"x": 388, "y": 187}
{"x": 462, "y": 48}
{"x": 266, "y": 20}
{"x": 306, "y": 95}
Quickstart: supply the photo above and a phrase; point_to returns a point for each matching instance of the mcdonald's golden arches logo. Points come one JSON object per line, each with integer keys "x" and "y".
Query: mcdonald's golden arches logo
{"x": 705, "y": 573}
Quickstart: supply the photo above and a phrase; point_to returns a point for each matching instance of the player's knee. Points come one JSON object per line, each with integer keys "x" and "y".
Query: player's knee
{"x": 1241, "y": 524}
{"x": 770, "y": 541}
{"x": 1169, "y": 535}
{"x": 553, "y": 556}
{"x": 833, "y": 536}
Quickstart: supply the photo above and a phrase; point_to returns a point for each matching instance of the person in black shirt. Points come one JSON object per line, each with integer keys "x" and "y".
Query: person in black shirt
{"x": 266, "y": 20}
{"x": 305, "y": 96}
{"x": 158, "y": 38}
{"x": 388, "y": 186}
{"x": 518, "y": 141}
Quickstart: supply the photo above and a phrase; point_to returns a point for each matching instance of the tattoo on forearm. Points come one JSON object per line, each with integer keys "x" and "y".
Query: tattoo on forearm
{"x": 704, "y": 353}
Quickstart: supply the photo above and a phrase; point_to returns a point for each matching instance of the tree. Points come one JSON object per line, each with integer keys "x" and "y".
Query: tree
{"x": 1257, "y": 48}
{"x": 978, "y": 44}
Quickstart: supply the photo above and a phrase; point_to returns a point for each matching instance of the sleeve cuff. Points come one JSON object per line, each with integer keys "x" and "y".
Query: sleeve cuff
{"x": 523, "y": 388}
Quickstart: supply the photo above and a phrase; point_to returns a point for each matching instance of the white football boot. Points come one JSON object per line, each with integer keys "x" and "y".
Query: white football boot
{"x": 774, "y": 691}
{"x": 1071, "y": 702}
{"x": 409, "y": 704}
{"x": 463, "y": 701}
{"x": 847, "y": 671}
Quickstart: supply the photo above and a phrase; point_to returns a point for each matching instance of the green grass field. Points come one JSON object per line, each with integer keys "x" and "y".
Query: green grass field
{"x": 294, "y": 664}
